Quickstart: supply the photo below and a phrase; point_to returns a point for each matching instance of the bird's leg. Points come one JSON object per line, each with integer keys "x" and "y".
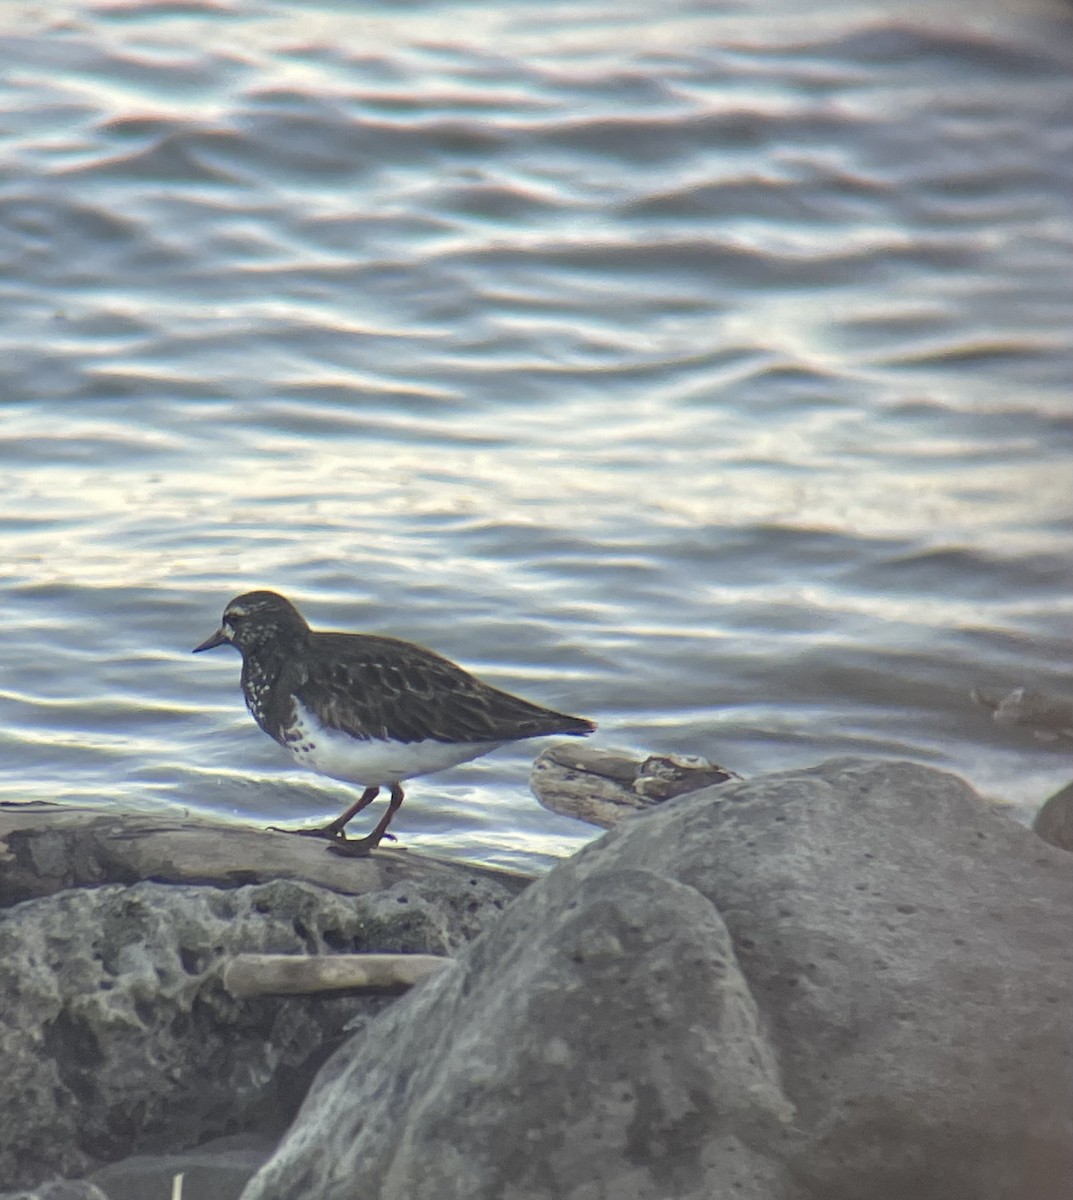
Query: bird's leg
{"x": 336, "y": 828}
{"x": 334, "y": 831}
{"x": 362, "y": 846}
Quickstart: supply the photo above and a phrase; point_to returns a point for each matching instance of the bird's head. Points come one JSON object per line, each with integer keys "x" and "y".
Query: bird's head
{"x": 254, "y": 619}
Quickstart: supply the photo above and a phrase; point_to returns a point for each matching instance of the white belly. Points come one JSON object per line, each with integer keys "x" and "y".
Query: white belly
{"x": 371, "y": 763}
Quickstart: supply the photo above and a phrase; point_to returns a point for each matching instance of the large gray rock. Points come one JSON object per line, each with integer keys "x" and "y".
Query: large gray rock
{"x": 852, "y": 980}
{"x": 118, "y": 1037}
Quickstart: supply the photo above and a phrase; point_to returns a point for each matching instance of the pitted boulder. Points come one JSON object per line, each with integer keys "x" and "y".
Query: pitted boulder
{"x": 119, "y": 1037}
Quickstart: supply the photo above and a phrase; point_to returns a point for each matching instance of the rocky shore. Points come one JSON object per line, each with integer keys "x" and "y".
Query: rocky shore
{"x": 852, "y": 979}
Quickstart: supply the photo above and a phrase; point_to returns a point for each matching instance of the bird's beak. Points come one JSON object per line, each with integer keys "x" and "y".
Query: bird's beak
{"x": 219, "y": 638}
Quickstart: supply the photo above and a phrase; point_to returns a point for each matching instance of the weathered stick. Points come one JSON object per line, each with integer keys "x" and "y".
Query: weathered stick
{"x": 297, "y": 974}
{"x": 602, "y": 787}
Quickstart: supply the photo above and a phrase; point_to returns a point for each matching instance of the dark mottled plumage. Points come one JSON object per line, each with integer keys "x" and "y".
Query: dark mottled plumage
{"x": 368, "y": 709}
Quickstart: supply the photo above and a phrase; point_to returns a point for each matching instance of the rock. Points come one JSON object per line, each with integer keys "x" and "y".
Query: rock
{"x": 46, "y": 848}
{"x": 1048, "y": 717}
{"x": 60, "y": 1189}
{"x": 555, "y": 1063}
{"x": 602, "y": 787}
{"x": 1054, "y": 821}
{"x": 218, "y": 1170}
{"x": 855, "y": 978}
{"x": 118, "y": 1036}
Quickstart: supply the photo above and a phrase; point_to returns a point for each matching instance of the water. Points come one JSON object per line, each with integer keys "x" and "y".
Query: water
{"x": 704, "y": 373}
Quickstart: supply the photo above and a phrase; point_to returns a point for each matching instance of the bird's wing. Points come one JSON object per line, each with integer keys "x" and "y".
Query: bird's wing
{"x": 382, "y": 688}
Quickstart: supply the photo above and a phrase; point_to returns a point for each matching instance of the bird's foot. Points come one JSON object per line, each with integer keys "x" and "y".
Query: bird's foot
{"x": 359, "y": 847}
{"x": 320, "y": 831}
{"x": 337, "y": 837}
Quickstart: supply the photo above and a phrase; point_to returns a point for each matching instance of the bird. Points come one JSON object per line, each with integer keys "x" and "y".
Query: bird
{"x": 368, "y": 709}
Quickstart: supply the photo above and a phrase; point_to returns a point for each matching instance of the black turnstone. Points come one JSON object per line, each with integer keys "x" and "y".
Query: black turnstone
{"x": 367, "y": 709}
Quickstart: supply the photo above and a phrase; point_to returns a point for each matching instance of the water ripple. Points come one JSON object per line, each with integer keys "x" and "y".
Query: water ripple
{"x": 704, "y": 371}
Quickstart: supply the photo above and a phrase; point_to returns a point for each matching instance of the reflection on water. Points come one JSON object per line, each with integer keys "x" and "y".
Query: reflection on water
{"x": 706, "y": 374}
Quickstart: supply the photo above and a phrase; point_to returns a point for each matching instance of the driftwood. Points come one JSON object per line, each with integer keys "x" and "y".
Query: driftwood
{"x": 602, "y": 787}
{"x": 301, "y": 974}
{"x": 46, "y": 848}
